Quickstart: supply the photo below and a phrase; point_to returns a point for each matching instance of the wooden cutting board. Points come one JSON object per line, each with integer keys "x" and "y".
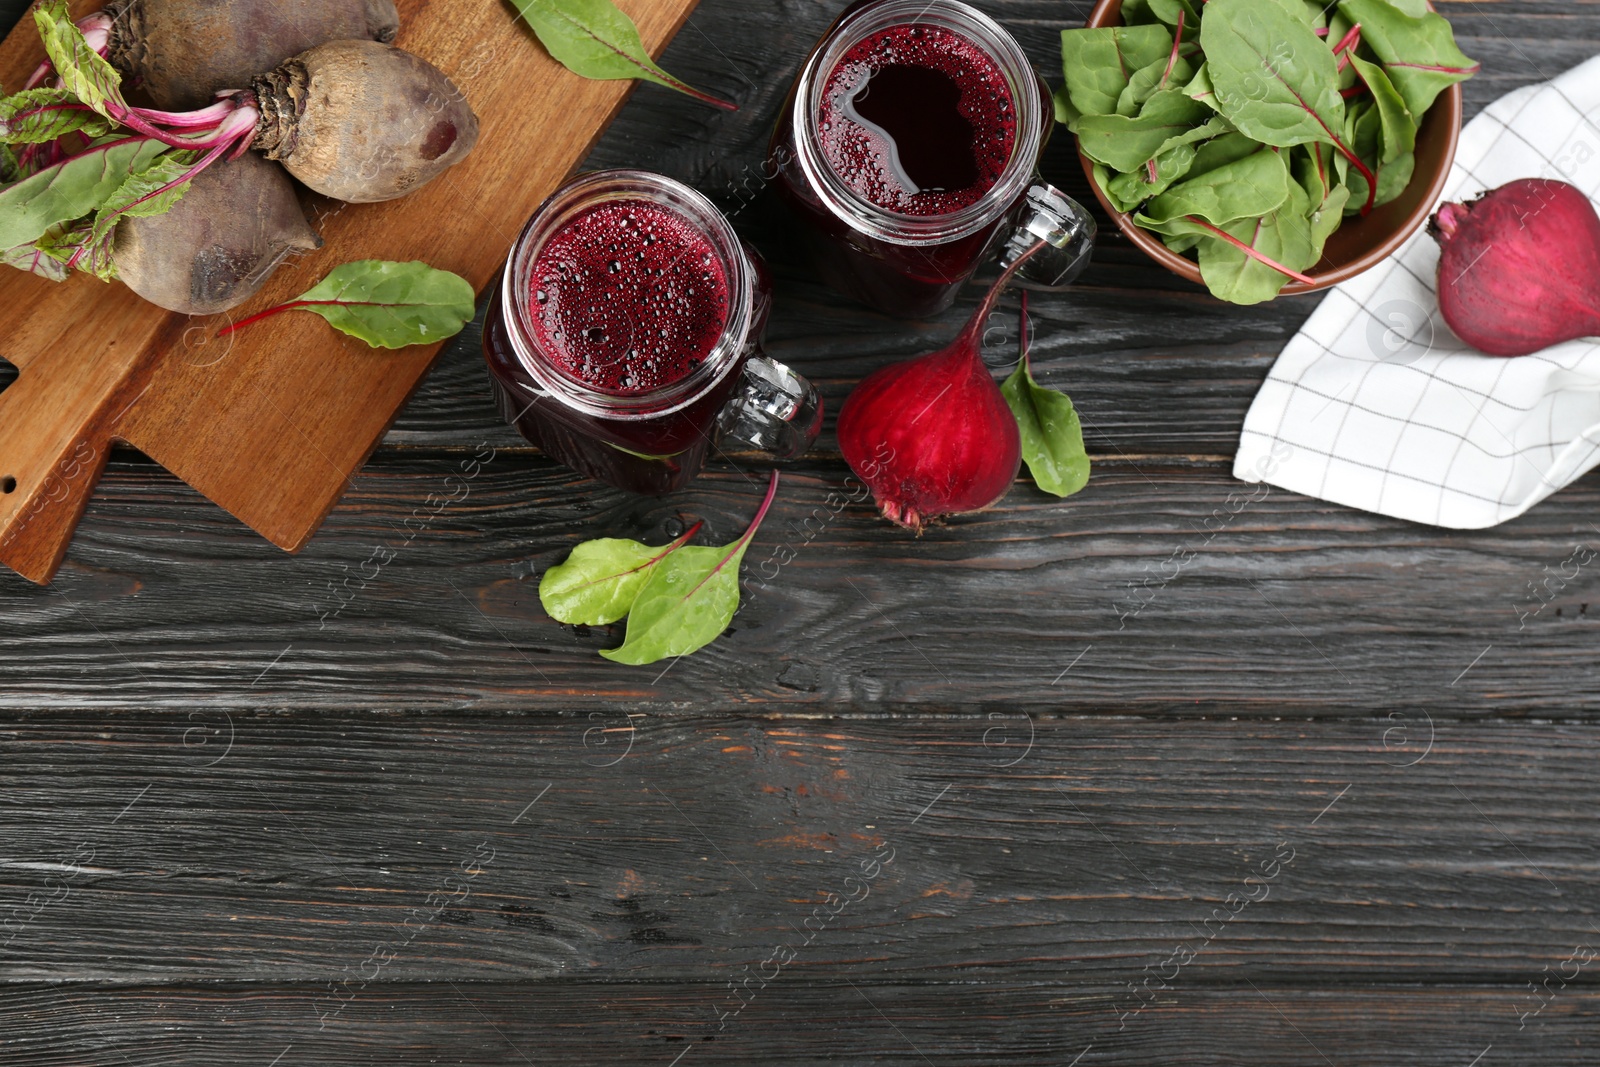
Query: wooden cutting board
{"x": 272, "y": 422}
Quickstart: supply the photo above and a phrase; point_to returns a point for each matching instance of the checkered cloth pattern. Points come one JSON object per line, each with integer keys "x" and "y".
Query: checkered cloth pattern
{"x": 1375, "y": 404}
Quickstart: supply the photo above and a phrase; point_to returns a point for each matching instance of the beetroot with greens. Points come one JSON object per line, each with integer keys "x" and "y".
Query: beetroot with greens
{"x": 217, "y": 245}
{"x": 935, "y": 436}
{"x": 354, "y": 119}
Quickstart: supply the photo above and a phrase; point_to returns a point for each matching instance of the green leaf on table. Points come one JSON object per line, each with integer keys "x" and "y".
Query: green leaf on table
{"x": 1419, "y": 51}
{"x": 71, "y": 189}
{"x": 596, "y": 39}
{"x": 1124, "y": 142}
{"x": 1052, "y": 436}
{"x": 1399, "y": 127}
{"x": 597, "y": 584}
{"x": 1097, "y": 63}
{"x": 35, "y": 116}
{"x": 1244, "y": 189}
{"x": 689, "y": 599}
{"x": 1275, "y": 79}
{"x": 83, "y": 72}
{"x": 387, "y": 305}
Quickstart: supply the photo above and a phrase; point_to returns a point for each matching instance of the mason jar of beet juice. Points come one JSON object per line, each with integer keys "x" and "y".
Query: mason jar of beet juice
{"x": 625, "y": 336}
{"x": 908, "y": 149}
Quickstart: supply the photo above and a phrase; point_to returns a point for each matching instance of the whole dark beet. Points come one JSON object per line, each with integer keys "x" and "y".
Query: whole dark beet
{"x": 361, "y": 122}
{"x": 217, "y": 245}
{"x": 181, "y": 52}
{"x": 1519, "y": 267}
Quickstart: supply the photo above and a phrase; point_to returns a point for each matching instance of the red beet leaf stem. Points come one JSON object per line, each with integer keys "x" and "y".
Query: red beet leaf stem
{"x": 1442, "y": 70}
{"x": 1172, "y": 60}
{"x": 292, "y": 305}
{"x": 1251, "y": 252}
{"x": 666, "y": 551}
{"x": 1022, "y": 334}
{"x": 992, "y": 297}
{"x": 733, "y": 550}
{"x": 1349, "y": 40}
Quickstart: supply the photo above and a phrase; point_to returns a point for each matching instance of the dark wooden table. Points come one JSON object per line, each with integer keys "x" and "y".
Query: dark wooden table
{"x": 1328, "y": 798}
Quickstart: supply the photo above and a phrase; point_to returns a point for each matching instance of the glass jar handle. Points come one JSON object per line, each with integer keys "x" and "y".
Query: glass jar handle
{"x": 1068, "y": 231}
{"x": 772, "y": 409}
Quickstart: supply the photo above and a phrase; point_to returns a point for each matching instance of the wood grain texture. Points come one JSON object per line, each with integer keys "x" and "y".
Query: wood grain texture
{"x": 808, "y": 1023}
{"x": 603, "y": 847}
{"x": 1164, "y": 587}
{"x": 270, "y": 423}
{"x": 243, "y": 895}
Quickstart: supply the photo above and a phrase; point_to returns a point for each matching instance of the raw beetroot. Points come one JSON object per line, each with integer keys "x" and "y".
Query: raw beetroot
{"x": 934, "y": 436}
{"x": 363, "y": 122}
{"x": 1519, "y": 267}
{"x": 182, "y": 52}
{"x": 217, "y": 245}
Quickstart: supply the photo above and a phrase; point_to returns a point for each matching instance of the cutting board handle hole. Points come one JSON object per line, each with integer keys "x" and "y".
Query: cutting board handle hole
{"x": 8, "y": 484}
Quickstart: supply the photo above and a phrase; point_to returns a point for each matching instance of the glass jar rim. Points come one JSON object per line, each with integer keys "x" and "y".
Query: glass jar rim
{"x": 892, "y": 226}
{"x": 572, "y": 199}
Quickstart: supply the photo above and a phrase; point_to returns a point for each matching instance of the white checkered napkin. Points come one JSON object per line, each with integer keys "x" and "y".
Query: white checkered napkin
{"x": 1375, "y": 404}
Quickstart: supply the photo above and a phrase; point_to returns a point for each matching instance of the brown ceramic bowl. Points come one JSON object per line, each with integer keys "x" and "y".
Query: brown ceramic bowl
{"x": 1360, "y": 243}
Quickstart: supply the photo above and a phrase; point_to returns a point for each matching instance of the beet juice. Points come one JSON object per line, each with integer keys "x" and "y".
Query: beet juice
{"x": 628, "y": 297}
{"x": 624, "y": 337}
{"x": 917, "y": 120}
{"x": 907, "y": 150}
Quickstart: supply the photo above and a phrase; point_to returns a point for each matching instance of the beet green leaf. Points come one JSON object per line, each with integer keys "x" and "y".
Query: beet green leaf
{"x": 596, "y": 39}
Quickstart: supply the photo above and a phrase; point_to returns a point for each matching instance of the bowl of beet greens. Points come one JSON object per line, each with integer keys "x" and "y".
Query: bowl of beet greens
{"x": 1265, "y": 147}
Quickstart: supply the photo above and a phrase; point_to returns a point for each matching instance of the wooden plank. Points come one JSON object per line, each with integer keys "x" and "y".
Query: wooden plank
{"x": 323, "y": 847}
{"x": 801, "y": 1024}
{"x": 1180, "y": 589}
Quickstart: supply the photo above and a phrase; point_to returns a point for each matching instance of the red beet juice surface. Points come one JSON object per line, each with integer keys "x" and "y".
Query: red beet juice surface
{"x": 918, "y": 120}
{"x": 906, "y": 148}
{"x": 629, "y": 297}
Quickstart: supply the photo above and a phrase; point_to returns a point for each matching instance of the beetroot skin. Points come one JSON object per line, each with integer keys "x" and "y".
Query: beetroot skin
{"x": 217, "y": 245}
{"x": 362, "y": 122}
{"x": 1519, "y": 267}
{"x": 932, "y": 436}
{"x": 181, "y": 52}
